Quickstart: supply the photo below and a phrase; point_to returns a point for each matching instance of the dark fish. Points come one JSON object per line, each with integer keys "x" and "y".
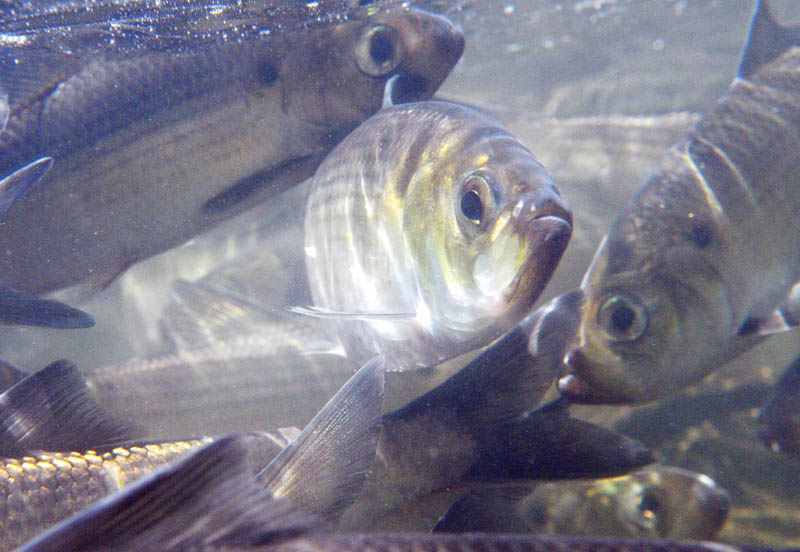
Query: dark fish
{"x": 164, "y": 119}
{"x": 20, "y": 308}
{"x": 474, "y": 429}
{"x": 779, "y": 421}
{"x": 658, "y": 502}
{"x": 699, "y": 264}
{"x": 429, "y": 232}
{"x": 206, "y": 502}
{"x": 338, "y": 447}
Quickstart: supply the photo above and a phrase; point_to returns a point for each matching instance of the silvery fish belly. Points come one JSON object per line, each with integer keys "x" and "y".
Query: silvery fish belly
{"x": 161, "y": 121}
{"x": 429, "y": 232}
{"x": 698, "y": 266}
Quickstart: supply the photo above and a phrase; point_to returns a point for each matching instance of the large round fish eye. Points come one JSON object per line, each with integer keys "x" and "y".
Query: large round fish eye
{"x": 475, "y": 202}
{"x": 379, "y": 51}
{"x": 622, "y": 318}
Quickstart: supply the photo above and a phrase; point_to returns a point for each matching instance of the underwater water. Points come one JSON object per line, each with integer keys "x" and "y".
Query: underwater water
{"x": 598, "y": 91}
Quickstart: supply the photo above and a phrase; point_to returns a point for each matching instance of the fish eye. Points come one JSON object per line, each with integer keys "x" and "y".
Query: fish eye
{"x": 379, "y": 51}
{"x": 700, "y": 235}
{"x": 476, "y": 201}
{"x": 622, "y": 318}
{"x": 650, "y": 507}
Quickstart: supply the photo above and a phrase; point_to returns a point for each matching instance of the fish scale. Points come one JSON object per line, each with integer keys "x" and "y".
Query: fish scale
{"x": 389, "y": 249}
{"x": 37, "y": 491}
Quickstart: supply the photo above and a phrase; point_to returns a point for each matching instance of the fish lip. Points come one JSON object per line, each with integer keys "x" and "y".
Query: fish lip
{"x": 576, "y": 388}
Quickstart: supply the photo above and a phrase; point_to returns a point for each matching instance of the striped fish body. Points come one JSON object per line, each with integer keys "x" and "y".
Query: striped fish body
{"x": 158, "y": 138}
{"x": 39, "y": 491}
{"x": 707, "y": 250}
{"x": 433, "y": 231}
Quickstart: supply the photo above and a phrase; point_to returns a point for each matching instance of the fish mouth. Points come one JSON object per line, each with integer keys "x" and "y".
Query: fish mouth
{"x": 411, "y": 88}
{"x": 549, "y": 234}
{"x": 576, "y": 388}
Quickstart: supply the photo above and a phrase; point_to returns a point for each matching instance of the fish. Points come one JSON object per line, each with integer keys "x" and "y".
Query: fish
{"x": 699, "y": 263}
{"x": 779, "y": 420}
{"x": 657, "y": 502}
{"x": 206, "y": 502}
{"x": 429, "y": 232}
{"x": 478, "y": 428}
{"x": 165, "y": 119}
{"x": 338, "y": 446}
{"x": 19, "y": 308}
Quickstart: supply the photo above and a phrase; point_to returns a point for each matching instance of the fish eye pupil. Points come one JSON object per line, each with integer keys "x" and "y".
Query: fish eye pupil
{"x": 472, "y": 207}
{"x": 622, "y": 318}
{"x": 381, "y": 48}
{"x": 650, "y": 506}
{"x": 700, "y": 235}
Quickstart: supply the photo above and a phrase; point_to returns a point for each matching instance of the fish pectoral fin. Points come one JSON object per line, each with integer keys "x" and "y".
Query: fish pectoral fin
{"x": 18, "y": 307}
{"x": 322, "y": 312}
{"x": 54, "y": 410}
{"x": 489, "y": 510}
{"x": 546, "y": 445}
{"x": 17, "y": 185}
{"x": 205, "y": 500}
{"x": 338, "y": 445}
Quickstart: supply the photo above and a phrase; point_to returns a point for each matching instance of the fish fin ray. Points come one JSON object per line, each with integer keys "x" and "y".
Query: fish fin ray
{"x": 338, "y": 445}
{"x": 17, "y": 307}
{"x": 53, "y": 409}
{"x": 205, "y": 499}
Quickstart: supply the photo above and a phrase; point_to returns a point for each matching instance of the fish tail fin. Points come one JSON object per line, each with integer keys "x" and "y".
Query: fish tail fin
{"x": 766, "y": 40}
{"x": 203, "y": 500}
{"x": 338, "y": 446}
{"x": 548, "y": 444}
{"x": 54, "y": 410}
{"x": 17, "y": 307}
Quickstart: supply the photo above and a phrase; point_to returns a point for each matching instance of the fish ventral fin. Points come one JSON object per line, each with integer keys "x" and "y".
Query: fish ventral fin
{"x": 54, "y": 410}
{"x": 488, "y": 510}
{"x": 204, "y": 501}
{"x": 324, "y": 469}
{"x": 548, "y": 444}
{"x": 18, "y": 307}
{"x": 16, "y": 185}
{"x": 765, "y": 41}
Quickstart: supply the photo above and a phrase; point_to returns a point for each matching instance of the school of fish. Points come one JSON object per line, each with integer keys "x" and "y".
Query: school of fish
{"x": 395, "y": 323}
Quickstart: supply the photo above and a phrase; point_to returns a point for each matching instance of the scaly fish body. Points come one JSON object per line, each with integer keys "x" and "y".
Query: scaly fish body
{"x": 698, "y": 262}
{"x": 435, "y": 229}
{"x": 38, "y": 491}
{"x": 153, "y": 143}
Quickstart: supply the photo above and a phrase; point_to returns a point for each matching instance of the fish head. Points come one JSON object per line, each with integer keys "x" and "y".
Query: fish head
{"x": 656, "y": 314}
{"x": 484, "y": 225}
{"x": 669, "y": 503}
{"x": 360, "y": 56}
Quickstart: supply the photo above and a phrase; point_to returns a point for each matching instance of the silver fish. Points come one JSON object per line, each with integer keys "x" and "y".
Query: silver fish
{"x": 657, "y": 502}
{"x": 429, "y": 232}
{"x": 206, "y": 502}
{"x": 698, "y": 264}
{"x": 163, "y": 120}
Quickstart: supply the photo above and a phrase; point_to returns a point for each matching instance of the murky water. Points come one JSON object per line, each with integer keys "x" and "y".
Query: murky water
{"x": 598, "y": 90}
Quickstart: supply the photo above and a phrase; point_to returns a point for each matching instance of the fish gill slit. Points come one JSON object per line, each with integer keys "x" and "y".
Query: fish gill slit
{"x": 708, "y": 192}
{"x": 743, "y": 185}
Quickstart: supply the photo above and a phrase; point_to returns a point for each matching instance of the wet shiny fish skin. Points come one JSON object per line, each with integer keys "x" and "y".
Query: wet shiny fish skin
{"x": 706, "y": 249}
{"x": 38, "y": 491}
{"x": 221, "y": 124}
{"x": 434, "y": 230}
{"x": 779, "y": 421}
{"x": 658, "y": 502}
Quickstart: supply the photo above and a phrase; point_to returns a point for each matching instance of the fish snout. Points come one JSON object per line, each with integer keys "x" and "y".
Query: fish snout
{"x": 573, "y": 386}
{"x": 551, "y": 223}
{"x": 715, "y": 503}
{"x": 432, "y": 50}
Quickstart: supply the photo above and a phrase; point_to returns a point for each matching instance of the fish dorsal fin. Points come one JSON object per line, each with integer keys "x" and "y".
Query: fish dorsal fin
{"x": 765, "y": 41}
{"x": 202, "y": 501}
{"x": 338, "y": 446}
{"x": 17, "y": 307}
{"x": 54, "y": 410}
{"x": 549, "y": 444}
